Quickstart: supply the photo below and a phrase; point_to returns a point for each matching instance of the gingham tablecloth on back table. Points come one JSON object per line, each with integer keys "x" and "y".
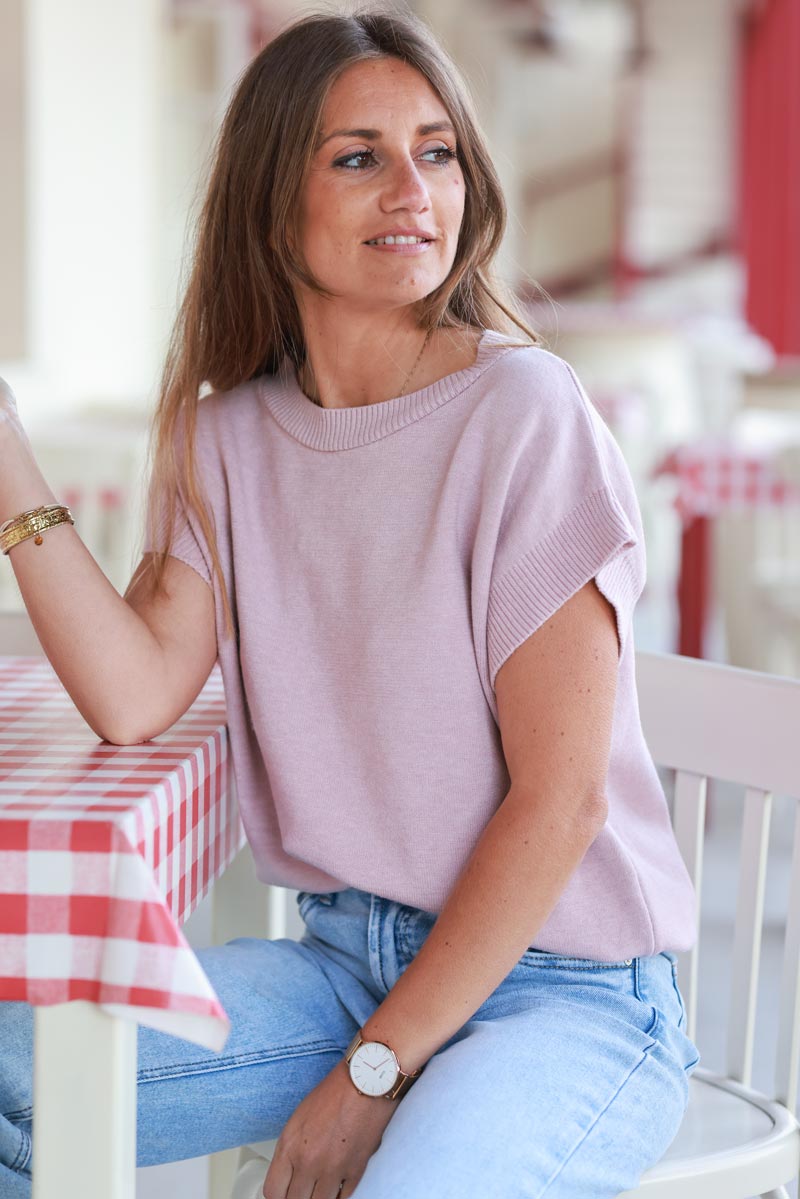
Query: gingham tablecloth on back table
{"x": 105, "y": 850}
{"x": 715, "y": 475}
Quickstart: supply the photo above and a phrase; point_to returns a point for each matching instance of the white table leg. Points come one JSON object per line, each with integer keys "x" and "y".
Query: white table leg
{"x": 84, "y": 1103}
{"x": 241, "y": 907}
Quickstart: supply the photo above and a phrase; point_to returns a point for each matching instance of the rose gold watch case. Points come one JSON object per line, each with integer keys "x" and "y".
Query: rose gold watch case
{"x": 402, "y": 1080}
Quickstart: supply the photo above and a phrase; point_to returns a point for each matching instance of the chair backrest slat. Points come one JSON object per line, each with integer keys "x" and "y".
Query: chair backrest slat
{"x": 688, "y": 821}
{"x": 747, "y": 933}
{"x": 706, "y": 720}
{"x": 788, "y": 1050}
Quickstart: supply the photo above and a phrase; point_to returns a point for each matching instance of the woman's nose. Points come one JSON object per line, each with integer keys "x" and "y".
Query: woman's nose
{"x": 405, "y": 187}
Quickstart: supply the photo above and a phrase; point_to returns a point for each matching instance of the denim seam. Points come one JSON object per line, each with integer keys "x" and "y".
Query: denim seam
{"x": 650, "y": 1031}
{"x": 375, "y": 935}
{"x": 407, "y": 938}
{"x": 384, "y": 920}
{"x": 572, "y": 964}
{"x": 586, "y": 1131}
{"x": 401, "y": 934}
{"x": 228, "y": 1063}
{"x": 23, "y": 1113}
{"x": 637, "y": 979}
{"x": 22, "y": 1158}
{"x": 305, "y": 904}
{"x": 682, "y": 1019}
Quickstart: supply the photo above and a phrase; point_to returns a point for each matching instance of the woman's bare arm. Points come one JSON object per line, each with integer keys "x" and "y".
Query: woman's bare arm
{"x": 132, "y": 665}
{"x": 555, "y": 702}
{"x": 183, "y": 624}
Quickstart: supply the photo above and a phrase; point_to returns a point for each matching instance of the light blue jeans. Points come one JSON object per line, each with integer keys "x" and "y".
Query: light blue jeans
{"x": 570, "y": 1080}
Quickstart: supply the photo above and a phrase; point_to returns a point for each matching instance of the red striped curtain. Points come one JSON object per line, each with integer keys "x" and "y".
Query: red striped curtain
{"x": 769, "y": 210}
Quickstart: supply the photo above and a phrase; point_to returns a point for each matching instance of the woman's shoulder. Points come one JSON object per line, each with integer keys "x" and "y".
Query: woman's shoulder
{"x": 531, "y": 364}
{"x": 223, "y": 414}
{"x": 532, "y": 386}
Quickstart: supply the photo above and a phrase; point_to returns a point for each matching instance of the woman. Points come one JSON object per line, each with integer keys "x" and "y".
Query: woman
{"x": 416, "y": 550}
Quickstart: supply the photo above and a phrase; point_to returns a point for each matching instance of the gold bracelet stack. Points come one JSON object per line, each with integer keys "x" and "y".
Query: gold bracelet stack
{"x": 32, "y": 523}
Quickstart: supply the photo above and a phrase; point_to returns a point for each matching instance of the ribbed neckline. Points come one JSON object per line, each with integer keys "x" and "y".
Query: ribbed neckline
{"x": 344, "y": 428}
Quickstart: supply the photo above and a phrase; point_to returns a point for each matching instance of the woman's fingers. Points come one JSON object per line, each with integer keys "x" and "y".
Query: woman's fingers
{"x": 329, "y": 1187}
{"x": 326, "y": 1143}
{"x": 282, "y": 1182}
{"x": 278, "y": 1178}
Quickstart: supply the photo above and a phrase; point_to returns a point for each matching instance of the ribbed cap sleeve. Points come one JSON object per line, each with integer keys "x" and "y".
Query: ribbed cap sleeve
{"x": 570, "y": 514}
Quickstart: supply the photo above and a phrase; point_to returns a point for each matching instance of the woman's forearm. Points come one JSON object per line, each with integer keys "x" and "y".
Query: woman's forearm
{"x": 510, "y": 884}
{"x": 102, "y": 651}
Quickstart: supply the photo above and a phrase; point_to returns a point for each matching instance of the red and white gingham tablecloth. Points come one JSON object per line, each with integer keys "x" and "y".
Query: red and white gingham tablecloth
{"x": 105, "y": 850}
{"x": 715, "y": 474}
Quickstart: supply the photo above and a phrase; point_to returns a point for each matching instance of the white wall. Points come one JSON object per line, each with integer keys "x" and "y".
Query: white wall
{"x": 12, "y": 193}
{"x": 114, "y": 106}
{"x": 90, "y": 112}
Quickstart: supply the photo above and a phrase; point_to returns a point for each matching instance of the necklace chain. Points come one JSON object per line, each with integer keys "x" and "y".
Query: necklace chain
{"x": 416, "y": 363}
{"x": 405, "y": 381}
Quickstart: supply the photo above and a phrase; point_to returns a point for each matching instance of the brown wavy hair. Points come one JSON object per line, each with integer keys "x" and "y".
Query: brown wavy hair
{"x": 238, "y": 316}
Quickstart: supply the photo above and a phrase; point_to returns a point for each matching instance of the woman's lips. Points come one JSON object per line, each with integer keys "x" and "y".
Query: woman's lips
{"x": 414, "y": 248}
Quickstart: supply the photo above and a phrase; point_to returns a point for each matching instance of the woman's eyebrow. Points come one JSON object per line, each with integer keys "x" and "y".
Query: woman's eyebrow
{"x": 374, "y": 134}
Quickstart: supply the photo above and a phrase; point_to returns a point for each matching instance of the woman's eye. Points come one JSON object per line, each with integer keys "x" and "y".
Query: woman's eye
{"x": 343, "y": 162}
{"x": 449, "y": 154}
{"x": 445, "y": 153}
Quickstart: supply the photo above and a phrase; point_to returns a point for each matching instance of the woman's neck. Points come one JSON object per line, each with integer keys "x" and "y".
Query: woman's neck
{"x": 387, "y": 371}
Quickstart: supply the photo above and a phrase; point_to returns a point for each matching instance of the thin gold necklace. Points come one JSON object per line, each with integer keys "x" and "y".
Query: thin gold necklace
{"x": 405, "y": 383}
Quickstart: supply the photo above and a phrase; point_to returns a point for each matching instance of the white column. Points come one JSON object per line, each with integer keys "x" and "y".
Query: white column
{"x": 95, "y": 319}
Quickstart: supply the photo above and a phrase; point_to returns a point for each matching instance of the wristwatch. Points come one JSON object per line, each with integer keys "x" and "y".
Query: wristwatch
{"x": 375, "y": 1070}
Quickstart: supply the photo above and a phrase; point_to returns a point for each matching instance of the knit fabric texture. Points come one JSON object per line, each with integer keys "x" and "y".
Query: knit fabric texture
{"x": 382, "y": 562}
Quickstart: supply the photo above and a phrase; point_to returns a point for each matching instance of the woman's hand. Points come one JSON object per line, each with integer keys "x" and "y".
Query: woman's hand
{"x": 329, "y": 1138}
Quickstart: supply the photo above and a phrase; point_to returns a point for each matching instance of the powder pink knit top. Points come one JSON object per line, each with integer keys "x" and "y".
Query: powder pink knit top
{"x": 382, "y": 562}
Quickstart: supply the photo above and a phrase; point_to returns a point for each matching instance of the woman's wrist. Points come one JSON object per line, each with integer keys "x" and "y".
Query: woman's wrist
{"x": 9, "y": 415}
{"x": 14, "y": 441}
{"x": 22, "y": 484}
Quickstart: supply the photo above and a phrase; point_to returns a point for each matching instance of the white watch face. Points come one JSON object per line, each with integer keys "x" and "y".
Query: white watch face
{"x": 373, "y": 1068}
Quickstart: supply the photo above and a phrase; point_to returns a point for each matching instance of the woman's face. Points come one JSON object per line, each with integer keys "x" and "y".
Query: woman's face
{"x": 380, "y": 168}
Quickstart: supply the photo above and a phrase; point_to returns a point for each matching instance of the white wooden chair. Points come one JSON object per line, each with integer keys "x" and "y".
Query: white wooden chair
{"x": 705, "y": 720}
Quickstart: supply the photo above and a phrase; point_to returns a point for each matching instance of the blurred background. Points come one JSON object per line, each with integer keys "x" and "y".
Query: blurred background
{"x": 650, "y": 156}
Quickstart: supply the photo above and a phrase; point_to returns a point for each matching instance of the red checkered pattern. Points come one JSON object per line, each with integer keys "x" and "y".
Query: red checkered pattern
{"x": 105, "y": 850}
{"x": 714, "y": 475}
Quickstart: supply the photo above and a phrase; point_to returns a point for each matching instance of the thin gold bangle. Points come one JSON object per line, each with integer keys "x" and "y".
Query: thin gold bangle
{"x": 15, "y": 520}
{"x": 33, "y": 524}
